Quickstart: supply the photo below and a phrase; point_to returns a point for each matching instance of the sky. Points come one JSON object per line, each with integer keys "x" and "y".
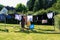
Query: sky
{"x": 12, "y": 2}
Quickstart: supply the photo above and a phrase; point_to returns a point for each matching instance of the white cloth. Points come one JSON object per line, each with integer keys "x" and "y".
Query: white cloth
{"x": 50, "y": 15}
{"x": 29, "y": 18}
{"x": 18, "y": 17}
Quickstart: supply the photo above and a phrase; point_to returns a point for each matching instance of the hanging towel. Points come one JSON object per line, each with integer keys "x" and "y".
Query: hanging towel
{"x": 18, "y": 17}
{"x": 50, "y": 15}
{"x": 29, "y": 18}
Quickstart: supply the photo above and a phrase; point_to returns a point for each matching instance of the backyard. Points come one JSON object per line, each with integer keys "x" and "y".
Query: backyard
{"x": 40, "y": 32}
{"x": 45, "y": 15}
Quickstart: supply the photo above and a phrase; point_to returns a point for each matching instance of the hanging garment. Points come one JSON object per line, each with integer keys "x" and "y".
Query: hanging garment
{"x": 50, "y": 15}
{"x": 23, "y": 22}
{"x": 29, "y": 18}
{"x": 44, "y": 21}
{"x": 2, "y": 17}
{"x": 18, "y": 17}
{"x": 8, "y": 17}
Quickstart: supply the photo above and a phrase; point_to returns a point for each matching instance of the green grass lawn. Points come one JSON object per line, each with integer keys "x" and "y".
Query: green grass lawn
{"x": 41, "y": 32}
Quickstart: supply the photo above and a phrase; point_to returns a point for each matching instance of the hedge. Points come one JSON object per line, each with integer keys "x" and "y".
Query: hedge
{"x": 57, "y": 21}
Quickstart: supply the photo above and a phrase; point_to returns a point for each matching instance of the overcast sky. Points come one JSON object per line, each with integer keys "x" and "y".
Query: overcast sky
{"x": 12, "y": 2}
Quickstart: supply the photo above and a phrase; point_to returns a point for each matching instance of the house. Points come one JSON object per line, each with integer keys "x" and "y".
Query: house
{"x": 10, "y": 9}
{"x": 4, "y": 11}
{"x": 3, "y": 14}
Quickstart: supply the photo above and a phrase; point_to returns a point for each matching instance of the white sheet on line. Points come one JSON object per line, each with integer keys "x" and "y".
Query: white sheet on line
{"x": 50, "y": 15}
{"x": 18, "y": 17}
{"x": 30, "y": 18}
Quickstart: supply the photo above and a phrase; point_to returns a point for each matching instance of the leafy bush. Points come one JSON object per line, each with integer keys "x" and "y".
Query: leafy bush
{"x": 30, "y": 12}
{"x": 40, "y": 12}
{"x": 57, "y": 21}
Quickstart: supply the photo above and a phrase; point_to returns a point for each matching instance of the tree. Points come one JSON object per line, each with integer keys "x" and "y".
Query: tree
{"x": 30, "y": 4}
{"x": 1, "y": 6}
{"x": 57, "y": 5}
{"x": 39, "y": 4}
{"x": 50, "y": 3}
{"x": 21, "y": 8}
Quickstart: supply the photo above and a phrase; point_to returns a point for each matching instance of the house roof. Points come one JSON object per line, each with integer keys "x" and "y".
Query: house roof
{"x": 10, "y": 8}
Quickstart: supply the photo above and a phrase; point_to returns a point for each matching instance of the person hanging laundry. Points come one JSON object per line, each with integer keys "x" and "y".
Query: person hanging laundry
{"x": 29, "y": 20}
{"x": 25, "y": 19}
{"x": 28, "y": 23}
{"x": 30, "y": 26}
{"x": 22, "y": 23}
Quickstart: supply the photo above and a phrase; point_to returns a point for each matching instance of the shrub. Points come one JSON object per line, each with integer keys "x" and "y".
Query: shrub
{"x": 40, "y": 12}
{"x": 30, "y": 12}
{"x": 57, "y": 21}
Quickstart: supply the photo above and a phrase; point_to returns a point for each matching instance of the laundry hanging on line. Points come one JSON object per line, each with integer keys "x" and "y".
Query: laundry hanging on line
{"x": 50, "y": 15}
{"x": 18, "y": 17}
{"x": 2, "y": 17}
{"x": 8, "y": 17}
{"x": 29, "y": 18}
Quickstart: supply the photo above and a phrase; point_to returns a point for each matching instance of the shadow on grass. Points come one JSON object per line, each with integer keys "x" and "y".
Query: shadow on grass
{"x": 44, "y": 32}
{"x": 25, "y": 31}
{"x": 38, "y": 32}
{"x": 4, "y": 30}
{"x": 34, "y": 31}
{"x": 46, "y": 29}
